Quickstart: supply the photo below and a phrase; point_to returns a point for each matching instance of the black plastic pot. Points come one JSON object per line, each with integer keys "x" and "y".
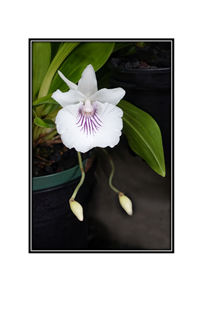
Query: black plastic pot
{"x": 54, "y": 226}
{"x": 149, "y": 90}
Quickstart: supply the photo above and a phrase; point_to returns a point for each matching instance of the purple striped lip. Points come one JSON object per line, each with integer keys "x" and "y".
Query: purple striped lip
{"x": 88, "y": 121}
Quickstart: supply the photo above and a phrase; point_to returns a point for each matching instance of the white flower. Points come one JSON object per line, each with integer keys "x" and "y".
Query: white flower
{"x": 89, "y": 118}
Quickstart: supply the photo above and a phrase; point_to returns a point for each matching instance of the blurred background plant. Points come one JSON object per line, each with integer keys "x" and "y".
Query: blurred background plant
{"x": 71, "y": 58}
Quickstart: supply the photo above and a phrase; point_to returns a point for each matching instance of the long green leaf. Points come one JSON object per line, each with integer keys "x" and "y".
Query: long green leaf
{"x": 62, "y": 53}
{"x": 41, "y": 57}
{"x": 54, "y": 48}
{"x": 49, "y": 108}
{"x": 120, "y": 45}
{"x": 46, "y": 123}
{"x": 43, "y": 100}
{"x": 95, "y": 53}
{"x": 144, "y": 136}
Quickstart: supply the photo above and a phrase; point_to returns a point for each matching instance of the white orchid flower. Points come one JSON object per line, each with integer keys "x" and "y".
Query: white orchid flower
{"x": 89, "y": 118}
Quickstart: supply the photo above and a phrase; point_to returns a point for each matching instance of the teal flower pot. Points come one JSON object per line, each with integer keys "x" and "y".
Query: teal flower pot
{"x": 57, "y": 179}
{"x": 53, "y": 225}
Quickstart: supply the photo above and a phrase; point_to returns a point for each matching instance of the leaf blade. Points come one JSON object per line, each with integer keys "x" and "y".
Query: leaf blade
{"x": 144, "y": 136}
{"x": 43, "y": 100}
{"x": 41, "y": 53}
{"x": 45, "y": 123}
{"x": 49, "y": 108}
{"x": 95, "y": 53}
{"x": 60, "y": 56}
{"x": 121, "y": 45}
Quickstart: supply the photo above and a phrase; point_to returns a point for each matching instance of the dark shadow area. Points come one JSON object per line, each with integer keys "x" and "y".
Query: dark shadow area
{"x": 150, "y": 226}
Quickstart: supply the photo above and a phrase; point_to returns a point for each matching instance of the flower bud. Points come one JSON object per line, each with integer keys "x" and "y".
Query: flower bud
{"x": 76, "y": 209}
{"x": 126, "y": 203}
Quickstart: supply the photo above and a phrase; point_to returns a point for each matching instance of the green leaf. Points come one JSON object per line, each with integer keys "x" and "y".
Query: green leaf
{"x": 48, "y": 108}
{"x": 34, "y": 114}
{"x": 140, "y": 45}
{"x": 46, "y": 123}
{"x": 60, "y": 56}
{"x": 130, "y": 50}
{"x": 120, "y": 45}
{"x": 43, "y": 100}
{"x": 95, "y": 53}
{"x": 144, "y": 136}
{"x": 41, "y": 56}
{"x": 54, "y": 48}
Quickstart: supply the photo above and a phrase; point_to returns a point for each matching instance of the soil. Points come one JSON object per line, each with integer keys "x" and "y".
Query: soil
{"x": 54, "y": 158}
{"x": 152, "y": 56}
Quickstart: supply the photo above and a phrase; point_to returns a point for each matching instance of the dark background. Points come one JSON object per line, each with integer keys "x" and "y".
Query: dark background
{"x": 149, "y": 228}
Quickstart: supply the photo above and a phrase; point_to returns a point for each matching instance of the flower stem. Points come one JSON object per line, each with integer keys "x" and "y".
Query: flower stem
{"x": 82, "y": 176}
{"x": 112, "y": 171}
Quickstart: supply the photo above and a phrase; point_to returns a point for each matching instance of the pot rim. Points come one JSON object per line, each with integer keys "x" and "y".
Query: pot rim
{"x": 56, "y": 179}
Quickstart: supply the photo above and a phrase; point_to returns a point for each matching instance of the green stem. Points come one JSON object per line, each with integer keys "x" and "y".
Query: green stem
{"x": 35, "y": 128}
{"x": 112, "y": 171}
{"x": 50, "y": 135}
{"x": 82, "y": 176}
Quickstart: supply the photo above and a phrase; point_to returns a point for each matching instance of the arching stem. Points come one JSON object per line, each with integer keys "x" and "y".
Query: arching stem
{"x": 112, "y": 171}
{"x": 82, "y": 177}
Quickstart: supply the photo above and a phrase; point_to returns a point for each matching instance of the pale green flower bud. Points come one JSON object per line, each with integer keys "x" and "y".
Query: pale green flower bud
{"x": 76, "y": 209}
{"x": 126, "y": 203}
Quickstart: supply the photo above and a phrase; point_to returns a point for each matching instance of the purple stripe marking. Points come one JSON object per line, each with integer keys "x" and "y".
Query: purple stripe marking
{"x": 88, "y": 124}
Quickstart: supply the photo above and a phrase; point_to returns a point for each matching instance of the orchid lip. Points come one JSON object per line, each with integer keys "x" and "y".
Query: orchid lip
{"x": 88, "y": 119}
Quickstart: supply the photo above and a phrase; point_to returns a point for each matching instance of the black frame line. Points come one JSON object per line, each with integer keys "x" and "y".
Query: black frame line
{"x": 30, "y": 41}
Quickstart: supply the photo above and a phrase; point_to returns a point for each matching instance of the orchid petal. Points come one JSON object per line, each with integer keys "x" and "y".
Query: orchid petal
{"x": 110, "y": 132}
{"x": 89, "y": 118}
{"x": 112, "y": 96}
{"x": 63, "y": 116}
{"x": 66, "y": 98}
{"x": 88, "y": 82}
{"x": 70, "y": 84}
{"x": 73, "y": 137}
